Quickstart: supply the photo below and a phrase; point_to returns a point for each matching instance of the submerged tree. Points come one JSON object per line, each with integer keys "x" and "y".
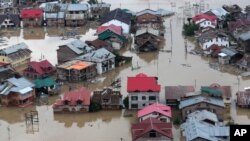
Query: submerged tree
{"x": 189, "y": 29}
{"x": 125, "y": 102}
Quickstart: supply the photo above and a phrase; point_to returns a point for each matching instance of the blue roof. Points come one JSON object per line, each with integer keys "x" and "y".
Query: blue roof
{"x": 203, "y": 115}
{"x": 20, "y": 85}
{"x": 99, "y": 55}
{"x": 77, "y": 7}
{"x": 14, "y": 48}
{"x": 199, "y": 99}
{"x": 194, "y": 129}
{"x": 79, "y": 46}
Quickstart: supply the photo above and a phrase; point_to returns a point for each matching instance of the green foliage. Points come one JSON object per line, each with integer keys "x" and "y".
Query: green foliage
{"x": 94, "y": 107}
{"x": 177, "y": 121}
{"x": 125, "y": 102}
{"x": 189, "y": 29}
{"x": 92, "y": 1}
{"x": 228, "y": 18}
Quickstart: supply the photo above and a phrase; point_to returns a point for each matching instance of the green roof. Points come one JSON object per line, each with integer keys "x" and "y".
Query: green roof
{"x": 106, "y": 34}
{"x": 47, "y": 82}
{"x": 211, "y": 91}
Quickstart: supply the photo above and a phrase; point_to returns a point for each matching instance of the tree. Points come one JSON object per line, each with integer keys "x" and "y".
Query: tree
{"x": 125, "y": 102}
{"x": 189, "y": 29}
{"x": 177, "y": 121}
{"x": 94, "y": 107}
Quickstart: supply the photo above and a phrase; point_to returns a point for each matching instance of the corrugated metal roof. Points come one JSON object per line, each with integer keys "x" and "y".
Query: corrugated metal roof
{"x": 194, "y": 129}
{"x": 51, "y": 15}
{"x": 229, "y": 51}
{"x": 14, "y": 48}
{"x": 146, "y": 11}
{"x": 245, "y": 36}
{"x": 203, "y": 115}
{"x": 99, "y": 55}
{"x": 199, "y": 99}
{"x": 77, "y": 7}
{"x": 16, "y": 85}
{"x": 79, "y": 46}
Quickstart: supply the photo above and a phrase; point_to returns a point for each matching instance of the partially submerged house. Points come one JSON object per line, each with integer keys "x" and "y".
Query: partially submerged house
{"x": 243, "y": 99}
{"x": 147, "y": 39}
{"x": 174, "y": 94}
{"x": 244, "y": 40}
{"x": 55, "y": 14}
{"x": 113, "y": 35}
{"x": 104, "y": 60}
{"x": 9, "y": 20}
{"x": 17, "y": 55}
{"x": 211, "y": 37}
{"x": 244, "y": 63}
{"x": 39, "y": 69}
{"x": 157, "y": 111}
{"x": 46, "y": 86}
{"x": 108, "y": 98}
{"x": 229, "y": 56}
{"x": 152, "y": 129}
{"x": 237, "y": 27}
{"x": 142, "y": 90}
{"x": 76, "y": 14}
{"x": 213, "y": 50}
{"x": 6, "y": 71}
{"x": 117, "y": 17}
{"x": 234, "y": 10}
{"x": 192, "y": 104}
{"x": 71, "y": 50}
{"x": 76, "y": 70}
{"x": 217, "y": 91}
{"x": 73, "y": 101}
{"x": 194, "y": 130}
{"x": 205, "y": 20}
{"x": 6, "y": 4}
{"x": 99, "y": 9}
{"x": 97, "y": 44}
{"x": 32, "y": 17}
{"x": 149, "y": 18}
{"x": 204, "y": 116}
{"x": 17, "y": 91}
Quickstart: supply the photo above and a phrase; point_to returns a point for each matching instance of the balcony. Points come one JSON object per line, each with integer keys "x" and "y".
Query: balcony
{"x": 74, "y": 16}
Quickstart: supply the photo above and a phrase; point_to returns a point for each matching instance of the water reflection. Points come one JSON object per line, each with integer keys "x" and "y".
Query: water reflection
{"x": 34, "y": 33}
{"x": 87, "y": 119}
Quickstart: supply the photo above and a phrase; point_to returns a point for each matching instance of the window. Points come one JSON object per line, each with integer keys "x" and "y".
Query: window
{"x": 105, "y": 100}
{"x": 134, "y": 98}
{"x": 163, "y": 119}
{"x": 152, "y": 134}
{"x": 143, "y": 104}
{"x": 152, "y": 98}
{"x": 143, "y": 97}
{"x": 135, "y": 106}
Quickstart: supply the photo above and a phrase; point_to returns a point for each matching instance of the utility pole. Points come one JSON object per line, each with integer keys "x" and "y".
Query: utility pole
{"x": 8, "y": 128}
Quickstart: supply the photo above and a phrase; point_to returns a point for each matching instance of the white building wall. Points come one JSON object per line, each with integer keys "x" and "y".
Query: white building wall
{"x": 206, "y": 24}
{"x": 125, "y": 27}
{"x": 156, "y": 115}
{"x": 218, "y": 41}
{"x": 140, "y": 102}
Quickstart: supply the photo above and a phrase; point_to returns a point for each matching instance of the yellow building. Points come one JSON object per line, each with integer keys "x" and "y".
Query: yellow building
{"x": 17, "y": 55}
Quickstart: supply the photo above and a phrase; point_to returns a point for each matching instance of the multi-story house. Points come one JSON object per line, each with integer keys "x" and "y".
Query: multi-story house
{"x": 71, "y": 50}
{"x": 76, "y": 14}
{"x": 205, "y": 21}
{"x": 142, "y": 91}
{"x": 104, "y": 60}
{"x": 17, "y": 91}
{"x": 73, "y": 101}
{"x": 76, "y": 70}
{"x": 55, "y": 14}
{"x": 32, "y": 17}
{"x": 108, "y": 98}
{"x": 17, "y": 55}
{"x": 99, "y": 9}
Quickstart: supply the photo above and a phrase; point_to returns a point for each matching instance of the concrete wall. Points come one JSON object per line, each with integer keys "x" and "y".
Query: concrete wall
{"x": 140, "y": 102}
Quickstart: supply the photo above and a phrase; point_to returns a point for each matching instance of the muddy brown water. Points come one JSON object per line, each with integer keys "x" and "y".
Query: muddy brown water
{"x": 111, "y": 125}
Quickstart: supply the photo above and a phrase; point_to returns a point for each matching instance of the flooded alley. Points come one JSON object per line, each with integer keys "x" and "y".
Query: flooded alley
{"x": 175, "y": 67}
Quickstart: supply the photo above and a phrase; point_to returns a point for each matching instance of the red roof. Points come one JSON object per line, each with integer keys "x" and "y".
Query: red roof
{"x": 31, "y": 13}
{"x": 215, "y": 49}
{"x": 82, "y": 94}
{"x": 142, "y": 83}
{"x": 156, "y": 107}
{"x": 144, "y": 127}
{"x": 237, "y": 24}
{"x": 40, "y": 67}
{"x": 113, "y": 28}
{"x": 3, "y": 64}
{"x": 204, "y": 16}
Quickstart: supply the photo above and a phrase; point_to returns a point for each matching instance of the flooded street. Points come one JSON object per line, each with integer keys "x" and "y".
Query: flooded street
{"x": 111, "y": 125}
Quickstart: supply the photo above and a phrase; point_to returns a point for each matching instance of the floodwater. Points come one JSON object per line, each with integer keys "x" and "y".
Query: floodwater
{"x": 175, "y": 68}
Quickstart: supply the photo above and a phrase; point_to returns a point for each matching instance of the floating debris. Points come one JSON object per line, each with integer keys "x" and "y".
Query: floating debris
{"x": 165, "y": 50}
{"x": 245, "y": 74}
{"x": 186, "y": 65}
